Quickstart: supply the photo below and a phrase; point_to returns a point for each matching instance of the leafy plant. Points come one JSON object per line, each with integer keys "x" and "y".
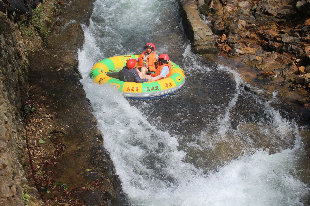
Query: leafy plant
{"x": 41, "y": 141}
{"x": 25, "y": 197}
{"x": 62, "y": 184}
{"x": 28, "y": 109}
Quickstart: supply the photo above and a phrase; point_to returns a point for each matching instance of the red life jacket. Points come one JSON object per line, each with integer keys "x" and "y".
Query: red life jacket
{"x": 150, "y": 61}
{"x": 160, "y": 67}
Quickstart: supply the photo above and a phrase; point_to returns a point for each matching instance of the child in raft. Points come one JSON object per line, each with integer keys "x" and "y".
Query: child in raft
{"x": 148, "y": 58}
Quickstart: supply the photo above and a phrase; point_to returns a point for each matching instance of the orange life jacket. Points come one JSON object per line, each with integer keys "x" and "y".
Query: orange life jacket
{"x": 160, "y": 67}
{"x": 150, "y": 61}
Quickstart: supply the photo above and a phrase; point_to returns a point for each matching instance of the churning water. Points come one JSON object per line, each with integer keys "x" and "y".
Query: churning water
{"x": 211, "y": 143}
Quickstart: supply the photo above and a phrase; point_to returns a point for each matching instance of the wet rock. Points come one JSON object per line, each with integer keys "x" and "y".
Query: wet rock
{"x": 13, "y": 86}
{"x": 198, "y": 31}
{"x": 300, "y": 80}
{"x": 19, "y": 7}
{"x": 271, "y": 35}
{"x": 300, "y": 4}
{"x": 301, "y": 70}
{"x": 244, "y": 5}
{"x": 307, "y": 69}
{"x": 307, "y": 50}
{"x": 64, "y": 146}
{"x": 78, "y": 165}
{"x": 303, "y": 6}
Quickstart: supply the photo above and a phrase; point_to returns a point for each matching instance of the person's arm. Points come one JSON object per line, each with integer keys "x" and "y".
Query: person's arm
{"x": 114, "y": 74}
{"x": 137, "y": 77}
{"x": 164, "y": 72}
{"x": 157, "y": 77}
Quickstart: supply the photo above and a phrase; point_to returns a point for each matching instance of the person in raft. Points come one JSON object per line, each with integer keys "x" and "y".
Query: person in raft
{"x": 130, "y": 73}
{"x": 163, "y": 70}
{"x": 148, "y": 59}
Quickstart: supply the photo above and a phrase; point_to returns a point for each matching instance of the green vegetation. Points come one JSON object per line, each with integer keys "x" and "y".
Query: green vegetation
{"x": 38, "y": 23}
{"x": 28, "y": 109}
{"x": 26, "y": 198}
{"x": 64, "y": 186}
{"x": 37, "y": 28}
{"x": 41, "y": 141}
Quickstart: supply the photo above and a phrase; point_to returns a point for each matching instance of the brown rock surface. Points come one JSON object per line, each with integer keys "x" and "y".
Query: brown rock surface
{"x": 46, "y": 124}
{"x": 68, "y": 161}
{"x": 13, "y": 86}
{"x": 268, "y": 37}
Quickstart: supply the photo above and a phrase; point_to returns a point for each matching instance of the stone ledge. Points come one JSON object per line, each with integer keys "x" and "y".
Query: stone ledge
{"x": 198, "y": 32}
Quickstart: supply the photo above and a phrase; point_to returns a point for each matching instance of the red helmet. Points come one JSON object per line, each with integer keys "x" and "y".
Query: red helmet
{"x": 150, "y": 45}
{"x": 131, "y": 63}
{"x": 164, "y": 57}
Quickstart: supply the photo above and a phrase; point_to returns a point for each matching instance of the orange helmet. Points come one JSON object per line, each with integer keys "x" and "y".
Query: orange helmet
{"x": 131, "y": 63}
{"x": 150, "y": 45}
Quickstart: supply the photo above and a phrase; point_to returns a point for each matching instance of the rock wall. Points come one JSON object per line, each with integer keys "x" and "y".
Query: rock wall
{"x": 13, "y": 92}
{"x": 269, "y": 40}
{"x": 51, "y": 151}
{"x": 272, "y": 36}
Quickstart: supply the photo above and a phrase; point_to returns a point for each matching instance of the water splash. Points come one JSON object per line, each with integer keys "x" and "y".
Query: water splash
{"x": 224, "y": 120}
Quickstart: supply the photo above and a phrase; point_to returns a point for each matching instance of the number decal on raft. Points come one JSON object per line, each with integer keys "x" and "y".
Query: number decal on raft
{"x": 132, "y": 89}
{"x": 168, "y": 85}
{"x": 152, "y": 88}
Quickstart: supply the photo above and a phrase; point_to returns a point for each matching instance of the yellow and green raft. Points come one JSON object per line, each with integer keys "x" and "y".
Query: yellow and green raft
{"x": 158, "y": 88}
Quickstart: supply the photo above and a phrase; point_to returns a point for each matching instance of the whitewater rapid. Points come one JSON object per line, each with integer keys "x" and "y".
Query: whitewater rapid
{"x": 150, "y": 158}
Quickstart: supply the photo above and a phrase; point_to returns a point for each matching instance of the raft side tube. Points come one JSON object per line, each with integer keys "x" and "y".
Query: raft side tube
{"x": 166, "y": 83}
{"x": 118, "y": 62}
{"x": 102, "y": 78}
{"x": 151, "y": 87}
{"x": 132, "y": 87}
{"x": 118, "y": 83}
{"x": 178, "y": 78}
{"x": 108, "y": 63}
{"x": 177, "y": 70}
{"x": 101, "y": 65}
{"x": 150, "y": 95}
{"x": 95, "y": 72}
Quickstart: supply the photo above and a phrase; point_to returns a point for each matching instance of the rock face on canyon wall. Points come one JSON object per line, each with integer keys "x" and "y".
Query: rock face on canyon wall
{"x": 264, "y": 31}
{"x": 51, "y": 151}
{"x": 13, "y": 90}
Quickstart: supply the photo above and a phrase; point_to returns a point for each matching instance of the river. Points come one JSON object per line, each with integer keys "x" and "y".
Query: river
{"x": 214, "y": 142}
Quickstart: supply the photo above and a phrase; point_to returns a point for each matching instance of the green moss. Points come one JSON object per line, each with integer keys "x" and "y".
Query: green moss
{"x": 37, "y": 28}
{"x": 36, "y": 24}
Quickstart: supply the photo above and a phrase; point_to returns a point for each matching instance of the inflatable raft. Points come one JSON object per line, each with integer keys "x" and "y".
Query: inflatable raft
{"x": 157, "y": 88}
